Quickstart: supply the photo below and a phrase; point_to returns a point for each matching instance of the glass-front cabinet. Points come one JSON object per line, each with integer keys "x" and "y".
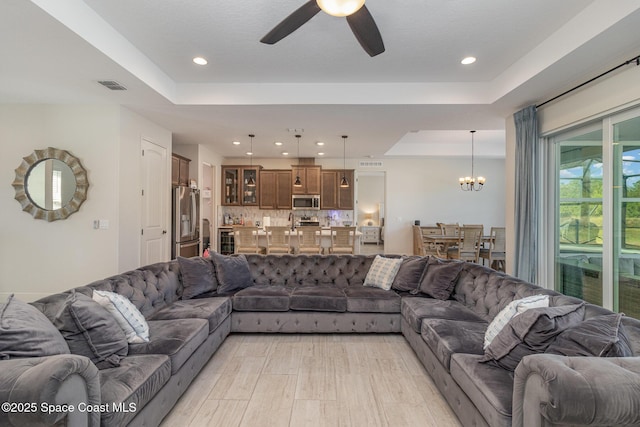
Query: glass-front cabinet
{"x": 240, "y": 185}
{"x": 596, "y": 212}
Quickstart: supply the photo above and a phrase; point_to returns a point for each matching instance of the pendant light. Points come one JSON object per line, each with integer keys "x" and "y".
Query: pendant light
{"x": 344, "y": 182}
{"x": 251, "y": 182}
{"x": 472, "y": 183}
{"x": 298, "y": 182}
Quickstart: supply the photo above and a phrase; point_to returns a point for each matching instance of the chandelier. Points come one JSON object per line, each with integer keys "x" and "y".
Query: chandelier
{"x": 472, "y": 183}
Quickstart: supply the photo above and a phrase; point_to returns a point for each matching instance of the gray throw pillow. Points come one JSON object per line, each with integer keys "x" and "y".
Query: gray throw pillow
{"x": 26, "y": 332}
{"x": 198, "y": 276}
{"x": 410, "y": 273}
{"x": 232, "y": 272}
{"x": 91, "y": 331}
{"x": 531, "y": 332}
{"x": 600, "y": 336}
{"x": 439, "y": 278}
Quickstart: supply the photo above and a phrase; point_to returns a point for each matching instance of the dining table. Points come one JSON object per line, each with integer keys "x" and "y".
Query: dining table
{"x": 446, "y": 241}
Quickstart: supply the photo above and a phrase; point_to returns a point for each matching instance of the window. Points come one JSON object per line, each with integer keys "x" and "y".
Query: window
{"x": 594, "y": 218}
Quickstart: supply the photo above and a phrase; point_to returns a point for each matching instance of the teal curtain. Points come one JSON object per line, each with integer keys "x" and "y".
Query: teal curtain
{"x": 526, "y": 194}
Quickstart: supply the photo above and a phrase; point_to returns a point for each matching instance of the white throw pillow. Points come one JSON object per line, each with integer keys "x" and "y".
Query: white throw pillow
{"x": 129, "y": 318}
{"x": 382, "y": 272}
{"x": 512, "y": 309}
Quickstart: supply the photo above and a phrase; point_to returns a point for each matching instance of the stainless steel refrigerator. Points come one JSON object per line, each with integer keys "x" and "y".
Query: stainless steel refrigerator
{"x": 186, "y": 222}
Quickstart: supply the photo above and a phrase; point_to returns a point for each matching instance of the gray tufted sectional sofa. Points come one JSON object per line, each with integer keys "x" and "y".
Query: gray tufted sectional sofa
{"x": 324, "y": 294}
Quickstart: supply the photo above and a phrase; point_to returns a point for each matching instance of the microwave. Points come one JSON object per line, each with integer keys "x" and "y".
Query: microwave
{"x": 306, "y": 202}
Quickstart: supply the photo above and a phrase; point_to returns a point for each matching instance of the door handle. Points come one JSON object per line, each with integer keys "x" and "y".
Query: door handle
{"x": 164, "y": 231}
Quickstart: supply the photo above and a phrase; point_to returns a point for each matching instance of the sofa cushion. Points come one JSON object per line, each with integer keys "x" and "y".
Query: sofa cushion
{"x": 198, "y": 276}
{"x": 382, "y": 272}
{"x": 232, "y": 272}
{"x": 262, "y": 298}
{"x": 129, "y": 318}
{"x": 410, "y": 273}
{"x": 318, "y": 298}
{"x": 489, "y": 387}
{"x": 365, "y": 299}
{"x": 439, "y": 279}
{"x": 531, "y": 332}
{"x": 132, "y": 385}
{"x": 214, "y": 310}
{"x": 91, "y": 331}
{"x": 447, "y": 337}
{"x": 414, "y": 309}
{"x": 26, "y": 332}
{"x": 513, "y": 309}
{"x": 177, "y": 338}
{"x": 600, "y": 336}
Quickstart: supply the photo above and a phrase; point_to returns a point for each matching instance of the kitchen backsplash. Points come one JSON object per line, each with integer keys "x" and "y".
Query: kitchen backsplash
{"x": 253, "y": 216}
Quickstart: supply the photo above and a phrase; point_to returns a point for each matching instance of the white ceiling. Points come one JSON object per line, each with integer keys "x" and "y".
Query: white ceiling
{"x": 414, "y": 99}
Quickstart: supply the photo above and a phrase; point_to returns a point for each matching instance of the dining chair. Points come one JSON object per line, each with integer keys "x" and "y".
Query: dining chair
{"x": 496, "y": 252}
{"x": 343, "y": 240}
{"x": 450, "y": 229}
{"x": 246, "y": 240}
{"x": 468, "y": 248}
{"x": 480, "y": 226}
{"x": 278, "y": 240}
{"x": 422, "y": 246}
{"x": 309, "y": 240}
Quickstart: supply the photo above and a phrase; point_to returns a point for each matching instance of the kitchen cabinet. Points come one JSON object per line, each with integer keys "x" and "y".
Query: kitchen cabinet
{"x": 310, "y": 177}
{"x": 235, "y": 188}
{"x": 275, "y": 189}
{"x": 179, "y": 170}
{"x": 333, "y": 196}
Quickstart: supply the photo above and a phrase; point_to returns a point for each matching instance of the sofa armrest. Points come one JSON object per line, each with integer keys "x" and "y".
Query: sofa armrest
{"x": 550, "y": 390}
{"x": 40, "y": 390}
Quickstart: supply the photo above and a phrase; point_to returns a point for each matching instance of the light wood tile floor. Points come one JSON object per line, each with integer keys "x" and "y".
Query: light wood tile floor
{"x": 329, "y": 380}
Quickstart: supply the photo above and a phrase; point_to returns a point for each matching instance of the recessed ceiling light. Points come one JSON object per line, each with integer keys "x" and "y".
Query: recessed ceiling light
{"x": 249, "y": 153}
{"x": 278, "y": 143}
{"x": 285, "y": 153}
{"x": 320, "y": 154}
{"x": 468, "y": 60}
{"x": 320, "y": 143}
{"x": 236, "y": 142}
{"x": 200, "y": 60}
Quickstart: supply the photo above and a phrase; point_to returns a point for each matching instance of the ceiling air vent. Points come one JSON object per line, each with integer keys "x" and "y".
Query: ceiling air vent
{"x": 370, "y": 163}
{"x": 112, "y": 84}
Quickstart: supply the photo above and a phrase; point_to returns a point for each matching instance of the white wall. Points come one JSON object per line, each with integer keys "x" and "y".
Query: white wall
{"x": 610, "y": 94}
{"x": 37, "y": 257}
{"x": 426, "y": 189}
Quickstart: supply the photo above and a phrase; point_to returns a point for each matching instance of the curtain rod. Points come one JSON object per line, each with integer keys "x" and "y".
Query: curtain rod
{"x": 636, "y": 60}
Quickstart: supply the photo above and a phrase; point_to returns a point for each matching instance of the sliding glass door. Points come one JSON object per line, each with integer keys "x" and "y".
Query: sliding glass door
{"x": 579, "y": 213}
{"x": 626, "y": 216}
{"x": 594, "y": 221}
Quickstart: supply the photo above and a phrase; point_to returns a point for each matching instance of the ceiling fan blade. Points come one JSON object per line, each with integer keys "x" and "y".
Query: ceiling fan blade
{"x": 292, "y": 22}
{"x": 366, "y": 31}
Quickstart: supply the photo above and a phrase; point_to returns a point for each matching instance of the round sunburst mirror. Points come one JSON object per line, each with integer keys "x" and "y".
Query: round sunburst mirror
{"x": 50, "y": 184}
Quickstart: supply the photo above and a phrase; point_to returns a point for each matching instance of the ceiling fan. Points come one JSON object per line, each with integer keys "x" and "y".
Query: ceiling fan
{"x": 357, "y": 14}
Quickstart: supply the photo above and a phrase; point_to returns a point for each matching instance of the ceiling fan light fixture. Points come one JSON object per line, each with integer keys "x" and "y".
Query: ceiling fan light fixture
{"x": 340, "y": 7}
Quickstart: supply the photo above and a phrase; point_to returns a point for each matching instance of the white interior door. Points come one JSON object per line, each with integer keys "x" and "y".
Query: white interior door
{"x": 155, "y": 191}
